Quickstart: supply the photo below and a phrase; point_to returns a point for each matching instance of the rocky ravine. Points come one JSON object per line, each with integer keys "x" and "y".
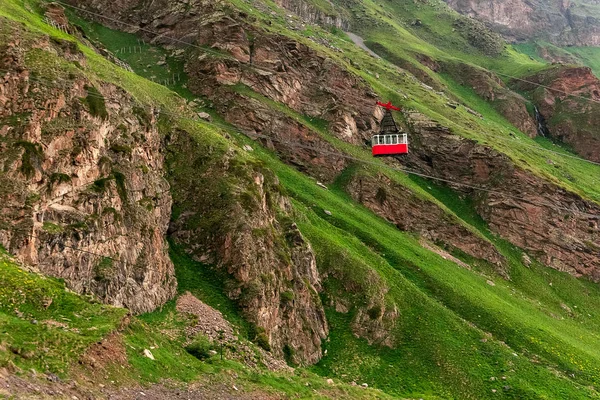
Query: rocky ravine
{"x": 82, "y": 174}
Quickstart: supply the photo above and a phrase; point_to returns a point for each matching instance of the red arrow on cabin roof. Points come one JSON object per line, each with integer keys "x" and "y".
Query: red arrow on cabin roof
{"x": 388, "y": 106}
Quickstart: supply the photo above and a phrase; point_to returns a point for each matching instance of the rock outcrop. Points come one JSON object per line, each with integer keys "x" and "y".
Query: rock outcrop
{"x": 82, "y": 196}
{"x": 569, "y": 101}
{"x": 558, "y": 227}
{"x": 310, "y": 13}
{"x": 561, "y": 22}
{"x": 285, "y": 71}
{"x": 492, "y": 89}
{"x": 411, "y": 213}
{"x": 231, "y": 214}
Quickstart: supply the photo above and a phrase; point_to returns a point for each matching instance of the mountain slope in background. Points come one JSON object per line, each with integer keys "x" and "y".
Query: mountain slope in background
{"x": 563, "y": 23}
{"x": 206, "y": 165}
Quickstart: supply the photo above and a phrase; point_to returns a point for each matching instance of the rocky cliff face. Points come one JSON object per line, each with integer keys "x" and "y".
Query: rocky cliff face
{"x": 82, "y": 175}
{"x": 230, "y": 213}
{"x": 411, "y": 213}
{"x": 311, "y": 14}
{"x": 557, "y": 227}
{"x": 560, "y": 22}
{"x": 570, "y": 105}
{"x": 491, "y": 88}
{"x": 285, "y": 71}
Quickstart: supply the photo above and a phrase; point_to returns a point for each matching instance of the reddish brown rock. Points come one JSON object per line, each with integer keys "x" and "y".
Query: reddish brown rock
{"x": 82, "y": 195}
{"x": 492, "y": 89}
{"x": 560, "y": 22}
{"x": 411, "y": 213}
{"x": 556, "y": 226}
{"x": 569, "y": 101}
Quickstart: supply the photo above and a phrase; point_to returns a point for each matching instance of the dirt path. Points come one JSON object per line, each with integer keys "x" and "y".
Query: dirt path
{"x": 361, "y": 43}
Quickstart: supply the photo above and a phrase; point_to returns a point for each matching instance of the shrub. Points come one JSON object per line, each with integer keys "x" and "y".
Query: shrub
{"x": 32, "y": 156}
{"x": 200, "y": 348}
{"x": 59, "y": 178}
{"x": 375, "y": 312}
{"x": 263, "y": 341}
{"x": 287, "y": 296}
{"x": 95, "y": 103}
{"x": 288, "y": 354}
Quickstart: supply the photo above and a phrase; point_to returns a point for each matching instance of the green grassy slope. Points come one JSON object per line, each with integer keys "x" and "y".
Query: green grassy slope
{"x": 588, "y": 56}
{"x": 446, "y": 311}
{"x": 43, "y": 326}
{"x": 454, "y": 331}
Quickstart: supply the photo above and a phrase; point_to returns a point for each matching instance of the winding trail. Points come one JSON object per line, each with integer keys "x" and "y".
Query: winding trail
{"x": 360, "y": 42}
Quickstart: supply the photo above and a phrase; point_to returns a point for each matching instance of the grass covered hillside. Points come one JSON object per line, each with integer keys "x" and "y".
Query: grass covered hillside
{"x": 424, "y": 289}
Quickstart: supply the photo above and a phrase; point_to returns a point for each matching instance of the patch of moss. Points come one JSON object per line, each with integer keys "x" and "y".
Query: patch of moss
{"x": 142, "y": 115}
{"x": 95, "y": 103}
{"x": 31, "y": 158}
{"x": 121, "y": 189}
{"x": 104, "y": 269}
{"x": 58, "y": 178}
{"x": 263, "y": 341}
{"x": 121, "y": 148}
{"x": 287, "y": 297}
{"x": 52, "y": 228}
{"x": 200, "y": 347}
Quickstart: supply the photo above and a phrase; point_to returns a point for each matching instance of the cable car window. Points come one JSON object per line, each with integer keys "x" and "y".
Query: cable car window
{"x": 388, "y": 140}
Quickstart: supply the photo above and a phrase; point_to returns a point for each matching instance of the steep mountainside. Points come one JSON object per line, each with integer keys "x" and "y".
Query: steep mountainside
{"x": 562, "y": 22}
{"x": 203, "y": 168}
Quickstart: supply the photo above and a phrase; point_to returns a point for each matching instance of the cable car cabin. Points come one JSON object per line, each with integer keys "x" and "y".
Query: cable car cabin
{"x": 388, "y": 145}
{"x": 390, "y": 141}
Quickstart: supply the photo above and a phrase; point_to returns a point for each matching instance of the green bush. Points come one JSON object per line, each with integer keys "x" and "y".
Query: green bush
{"x": 263, "y": 341}
{"x": 59, "y": 178}
{"x": 287, "y": 296}
{"x": 95, "y": 103}
{"x": 200, "y": 348}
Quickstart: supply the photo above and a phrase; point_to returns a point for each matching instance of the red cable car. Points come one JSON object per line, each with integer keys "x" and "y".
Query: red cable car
{"x": 390, "y": 141}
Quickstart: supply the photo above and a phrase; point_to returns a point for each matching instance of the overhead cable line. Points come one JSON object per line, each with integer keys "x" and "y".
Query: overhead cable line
{"x": 223, "y": 55}
{"x": 378, "y": 164}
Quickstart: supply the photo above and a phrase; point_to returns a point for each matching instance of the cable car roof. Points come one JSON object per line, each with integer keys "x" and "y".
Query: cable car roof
{"x": 388, "y": 125}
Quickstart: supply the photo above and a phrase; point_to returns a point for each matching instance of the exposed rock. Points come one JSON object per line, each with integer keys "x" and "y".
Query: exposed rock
{"x": 311, "y": 14}
{"x": 411, "y": 213}
{"x": 285, "y": 71}
{"x": 148, "y": 354}
{"x": 523, "y": 208}
{"x": 205, "y": 116}
{"x": 238, "y": 220}
{"x": 492, "y": 89}
{"x": 82, "y": 193}
{"x": 560, "y": 22}
{"x": 569, "y": 105}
